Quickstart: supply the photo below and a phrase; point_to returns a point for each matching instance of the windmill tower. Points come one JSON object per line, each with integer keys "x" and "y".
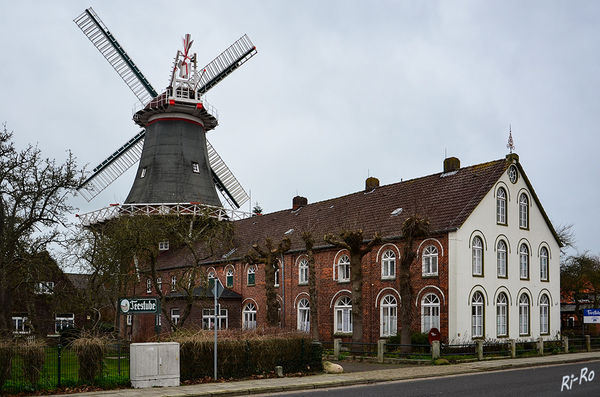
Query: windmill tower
{"x": 177, "y": 164}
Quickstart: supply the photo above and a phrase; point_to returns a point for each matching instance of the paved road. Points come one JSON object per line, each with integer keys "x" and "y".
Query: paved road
{"x": 581, "y": 379}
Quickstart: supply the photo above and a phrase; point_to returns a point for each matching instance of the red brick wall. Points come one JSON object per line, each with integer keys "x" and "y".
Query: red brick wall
{"x": 329, "y": 290}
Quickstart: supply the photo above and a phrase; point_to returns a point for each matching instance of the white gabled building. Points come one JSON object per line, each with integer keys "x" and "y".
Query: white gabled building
{"x": 504, "y": 266}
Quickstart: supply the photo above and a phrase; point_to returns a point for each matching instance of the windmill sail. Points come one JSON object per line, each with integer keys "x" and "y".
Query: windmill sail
{"x": 226, "y": 182}
{"x": 223, "y": 65}
{"x": 95, "y": 30}
{"x": 113, "y": 167}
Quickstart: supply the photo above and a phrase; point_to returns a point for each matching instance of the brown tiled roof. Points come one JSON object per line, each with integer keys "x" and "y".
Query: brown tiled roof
{"x": 446, "y": 199}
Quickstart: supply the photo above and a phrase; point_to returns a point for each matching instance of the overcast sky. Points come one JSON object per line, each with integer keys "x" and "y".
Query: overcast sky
{"x": 339, "y": 90}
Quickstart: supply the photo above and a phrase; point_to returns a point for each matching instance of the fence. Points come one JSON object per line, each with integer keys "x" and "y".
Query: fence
{"x": 477, "y": 350}
{"x": 57, "y": 367}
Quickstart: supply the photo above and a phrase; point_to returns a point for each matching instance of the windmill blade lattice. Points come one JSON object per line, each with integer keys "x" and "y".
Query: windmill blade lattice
{"x": 113, "y": 167}
{"x": 223, "y": 65}
{"x": 227, "y": 183}
{"x": 95, "y": 30}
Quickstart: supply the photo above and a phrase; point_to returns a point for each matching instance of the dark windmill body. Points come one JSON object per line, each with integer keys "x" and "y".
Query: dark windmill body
{"x": 177, "y": 165}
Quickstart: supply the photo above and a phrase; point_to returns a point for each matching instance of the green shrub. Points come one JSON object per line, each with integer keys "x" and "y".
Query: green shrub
{"x": 418, "y": 338}
{"x": 90, "y": 354}
{"x": 33, "y": 352}
{"x": 6, "y": 356}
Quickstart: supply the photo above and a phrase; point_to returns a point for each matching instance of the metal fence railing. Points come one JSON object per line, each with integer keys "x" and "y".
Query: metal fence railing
{"x": 52, "y": 367}
{"x": 496, "y": 349}
{"x": 417, "y": 352}
{"x": 359, "y": 349}
{"x": 577, "y": 344}
{"x": 465, "y": 350}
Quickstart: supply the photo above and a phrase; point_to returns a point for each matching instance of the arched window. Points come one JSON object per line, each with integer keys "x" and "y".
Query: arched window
{"x": 388, "y": 316}
{"x": 477, "y": 315}
{"x": 249, "y": 316}
{"x": 430, "y": 312}
{"x": 343, "y": 315}
{"x": 229, "y": 278}
{"x": 501, "y": 206}
{"x": 524, "y": 315}
{"x": 429, "y": 261}
{"x": 524, "y": 261}
{"x": 251, "y": 275}
{"x": 303, "y": 272}
{"x": 477, "y": 256}
{"x": 501, "y": 258}
{"x": 523, "y": 211}
{"x": 276, "y": 282}
{"x": 544, "y": 314}
{"x": 502, "y": 315}
{"x": 544, "y": 264}
{"x": 304, "y": 315}
{"x": 388, "y": 264}
{"x": 343, "y": 268}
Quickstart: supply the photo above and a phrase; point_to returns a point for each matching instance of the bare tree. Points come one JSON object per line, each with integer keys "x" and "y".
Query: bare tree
{"x": 352, "y": 240}
{"x": 413, "y": 228}
{"x": 33, "y": 204}
{"x": 269, "y": 256}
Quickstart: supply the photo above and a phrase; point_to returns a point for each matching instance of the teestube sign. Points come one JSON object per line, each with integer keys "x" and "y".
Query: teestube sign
{"x": 138, "y": 305}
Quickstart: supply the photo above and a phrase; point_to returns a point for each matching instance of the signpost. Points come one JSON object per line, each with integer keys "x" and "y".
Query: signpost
{"x": 129, "y": 306}
{"x": 217, "y": 290}
{"x": 591, "y": 316}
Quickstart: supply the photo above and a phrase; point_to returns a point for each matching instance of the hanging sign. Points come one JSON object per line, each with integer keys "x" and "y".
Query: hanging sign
{"x": 138, "y": 305}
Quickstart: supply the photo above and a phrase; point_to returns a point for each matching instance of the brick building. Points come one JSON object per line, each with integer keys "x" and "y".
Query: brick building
{"x": 488, "y": 269}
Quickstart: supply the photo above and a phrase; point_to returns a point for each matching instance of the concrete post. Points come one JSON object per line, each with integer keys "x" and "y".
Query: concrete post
{"x": 513, "y": 348}
{"x": 435, "y": 350}
{"x": 566, "y": 343}
{"x": 480, "y": 350}
{"x": 380, "y": 350}
{"x": 588, "y": 343}
{"x": 279, "y": 371}
{"x": 540, "y": 346}
{"x": 337, "y": 343}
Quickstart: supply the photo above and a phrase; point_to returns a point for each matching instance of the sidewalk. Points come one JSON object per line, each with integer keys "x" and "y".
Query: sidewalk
{"x": 273, "y": 385}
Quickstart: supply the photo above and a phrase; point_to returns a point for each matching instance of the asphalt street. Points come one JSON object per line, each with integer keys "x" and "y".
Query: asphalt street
{"x": 582, "y": 379}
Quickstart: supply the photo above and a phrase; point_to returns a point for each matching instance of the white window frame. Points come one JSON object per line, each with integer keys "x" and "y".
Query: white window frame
{"x": 524, "y": 261}
{"x": 129, "y": 319}
{"x": 501, "y": 206}
{"x": 388, "y": 265}
{"x": 229, "y": 276}
{"x": 276, "y": 278}
{"x": 502, "y": 259}
{"x": 544, "y": 257}
{"x": 430, "y": 312}
{"x": 524, "y": 315}
{"x": 19, "y": 325}
{"x": 523, "y": 211}
{"x": 477, "y": 315}
{"x": 159, "y": 283}
{"x": 544, "y": 315}
{"x": 477, "y": 256}
{"x": 44, "y": 288}
{"x": 429, "y": 261}
{"x": 173, "y": 283}
{"x": 148, "y": 286}
{"x": 208, "y": 317}
{"x": 175, "y": 315}
{"x": 502, "y": 315}
{"x": 61, "y": 319}
{"x": 343, "y": 315}
{"x": 388, "y": 316}
{"x": 249, "y": 316}
{"x": 195, "y": 167}
{"x": 303, "y": 272}
{"x": 251, "y": 272}
{"x": 143, "y": 172}
{"x": 303, "y": 315}
{"x": 163, "y": 245}
{"x": 343, "y": 268}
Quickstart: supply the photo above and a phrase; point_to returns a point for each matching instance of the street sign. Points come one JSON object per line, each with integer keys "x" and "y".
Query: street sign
{"x": 217, "y": 288}
{"x": 138, "y": 305}
{"x": 591, "y": 316}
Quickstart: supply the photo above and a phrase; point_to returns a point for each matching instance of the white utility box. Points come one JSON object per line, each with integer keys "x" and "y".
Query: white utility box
{"x": 154, "y": 364}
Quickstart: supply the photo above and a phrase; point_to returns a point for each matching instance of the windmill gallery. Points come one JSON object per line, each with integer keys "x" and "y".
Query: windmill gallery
{"x": 487, "y": 268}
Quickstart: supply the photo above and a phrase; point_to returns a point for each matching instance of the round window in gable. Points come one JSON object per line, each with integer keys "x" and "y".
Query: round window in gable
{"x": 513, "y": 174}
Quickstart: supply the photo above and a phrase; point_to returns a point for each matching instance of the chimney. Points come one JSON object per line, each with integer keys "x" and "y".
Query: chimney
{"x": 371, "y": 183}
{"x": 298, "y": 202}
{"x": 451, "y": 164}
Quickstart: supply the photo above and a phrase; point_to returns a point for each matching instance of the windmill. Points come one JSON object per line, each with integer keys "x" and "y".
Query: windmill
{"x": 176, "y": 163}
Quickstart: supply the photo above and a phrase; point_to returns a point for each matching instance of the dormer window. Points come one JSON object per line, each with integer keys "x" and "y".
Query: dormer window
{"x": 163, "y": 246}
{"x": 44, "y": 288}
{"x": 195, "y": 167}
